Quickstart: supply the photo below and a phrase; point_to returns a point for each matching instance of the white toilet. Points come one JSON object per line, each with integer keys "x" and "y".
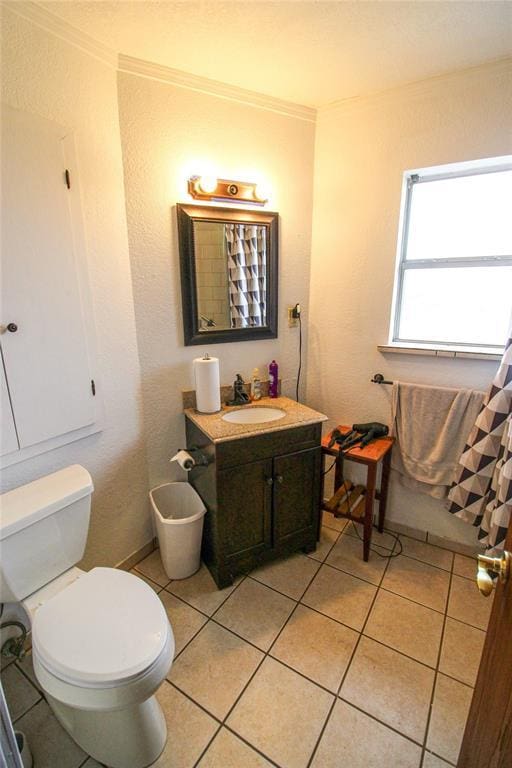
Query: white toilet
{"x": 101, "y": 640}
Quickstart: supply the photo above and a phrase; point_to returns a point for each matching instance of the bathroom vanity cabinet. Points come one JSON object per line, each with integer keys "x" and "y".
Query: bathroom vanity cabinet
{"x": 262, "y": 495}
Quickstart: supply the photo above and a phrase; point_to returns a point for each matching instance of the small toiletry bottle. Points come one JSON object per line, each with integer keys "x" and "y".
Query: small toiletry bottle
{"x": 273, "y": 373}
{"x": 256, "y": 385}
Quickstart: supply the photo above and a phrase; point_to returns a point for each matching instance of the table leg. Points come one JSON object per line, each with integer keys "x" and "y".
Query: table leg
{"x": 338, "y": 471}
{"x": 368, "y": 513}
{"x": 386, "y": 466}
{"x": 322, "y": 486}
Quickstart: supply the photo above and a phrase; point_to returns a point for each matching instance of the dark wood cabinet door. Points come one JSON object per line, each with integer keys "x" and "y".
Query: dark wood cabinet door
{"x": 296, "y": 495}
{"x": 245, "y": 508}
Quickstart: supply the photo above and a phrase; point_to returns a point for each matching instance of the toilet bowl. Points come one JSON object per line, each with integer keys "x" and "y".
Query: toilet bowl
{"x": 101, "y": 640}
{"x": 101, "y": 648}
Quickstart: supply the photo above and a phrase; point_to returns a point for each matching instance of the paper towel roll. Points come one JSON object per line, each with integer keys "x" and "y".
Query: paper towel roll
{"x": 206, "y": 374}
{"x": 184, "y": 459}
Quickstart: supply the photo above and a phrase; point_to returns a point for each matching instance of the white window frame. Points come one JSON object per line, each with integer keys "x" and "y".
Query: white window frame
{"x": 410, "y": 179}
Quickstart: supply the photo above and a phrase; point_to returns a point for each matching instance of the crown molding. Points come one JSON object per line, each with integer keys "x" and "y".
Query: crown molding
{"x": 177, "y": 77}
{"x": 415, "y": 88}
{"x": 52, "y": 23}
{"x": 60, "y": 28}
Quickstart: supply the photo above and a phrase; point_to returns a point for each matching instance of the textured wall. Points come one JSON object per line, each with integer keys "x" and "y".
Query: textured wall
{"x": 362, "y": 149}
{"x": 167, "y": 134}
{"x": 43, "y": 74}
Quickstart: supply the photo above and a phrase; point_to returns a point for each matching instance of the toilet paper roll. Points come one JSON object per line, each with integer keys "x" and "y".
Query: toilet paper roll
{"x": 206, "y": 374}
{"x": 184, "y": 459}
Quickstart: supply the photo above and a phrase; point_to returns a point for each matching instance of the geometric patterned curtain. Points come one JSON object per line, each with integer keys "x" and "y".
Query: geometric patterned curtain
{"x": 247, "y": 274}
{"x": 482, "y": 492}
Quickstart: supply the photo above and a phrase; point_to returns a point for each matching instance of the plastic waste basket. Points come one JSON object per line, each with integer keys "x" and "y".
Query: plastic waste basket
{"x": 179, "y": 515}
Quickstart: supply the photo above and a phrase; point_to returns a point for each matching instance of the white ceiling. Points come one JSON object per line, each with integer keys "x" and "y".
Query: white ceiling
{"x": 311, "y": 53}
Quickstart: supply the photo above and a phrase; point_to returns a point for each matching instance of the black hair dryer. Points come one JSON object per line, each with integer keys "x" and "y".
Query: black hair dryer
{"x": 371, "y": 431}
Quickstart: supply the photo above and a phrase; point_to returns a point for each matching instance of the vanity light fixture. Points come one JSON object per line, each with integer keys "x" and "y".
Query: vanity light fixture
{"x": 207, "y": 184}
{"x": 209, "y": 188}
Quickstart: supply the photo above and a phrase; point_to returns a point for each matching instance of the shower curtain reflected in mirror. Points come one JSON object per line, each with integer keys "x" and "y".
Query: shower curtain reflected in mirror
{"x": 247, "y": 278}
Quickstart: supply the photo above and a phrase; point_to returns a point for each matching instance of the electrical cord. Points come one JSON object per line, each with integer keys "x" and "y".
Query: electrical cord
{"x": 300, "y": 359}
{"x": 329, "y": 468}
{"x": 390, "y": 533}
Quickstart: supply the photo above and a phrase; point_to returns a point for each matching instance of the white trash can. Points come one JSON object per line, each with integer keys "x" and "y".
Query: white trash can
{"x": 179, "y": 515}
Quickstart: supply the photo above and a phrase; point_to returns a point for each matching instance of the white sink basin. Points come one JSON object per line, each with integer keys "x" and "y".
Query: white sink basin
{"x": 254, "y": 415}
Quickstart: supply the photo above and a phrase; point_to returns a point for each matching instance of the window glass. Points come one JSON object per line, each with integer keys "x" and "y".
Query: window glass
{"x": 461, "y": 217}
{"x": 454, "y": 274}
{"x": 459, "y": 305}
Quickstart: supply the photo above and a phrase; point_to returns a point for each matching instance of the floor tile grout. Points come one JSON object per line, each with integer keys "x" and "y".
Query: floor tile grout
{"x": 189, "y": 605}
{"x": 272, "y": 762}
{"x": 266, "y": 654}
{"x": 337, "y": 695}
{"x": 221, "y": 723}
{"x": 434, "y": 686}
{"x": 416, "y": 602}
{"x": 382, "y": 722}
{"x": 344, "y": 676}
{"x": 397, "y": 650}
{"x": 206, "y": 616}
{"x": 153, "y": 582}
{"x": 32, "y": 706}
{"x": 314, "y": 682}
{"x": 425, "y": 562}
{"x": 197, "y": 703}
{"x": 27, "y": 678}
{"x": 373, "y": 543}
{"x": 436, "y": 754}
{"x": 317, "y": 560}
{"x": 412, "y": 557}
{"x": 341, "y": 570}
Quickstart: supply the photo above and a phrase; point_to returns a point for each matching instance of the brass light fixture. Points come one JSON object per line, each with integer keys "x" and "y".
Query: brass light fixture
{"x": 209, "y": 188}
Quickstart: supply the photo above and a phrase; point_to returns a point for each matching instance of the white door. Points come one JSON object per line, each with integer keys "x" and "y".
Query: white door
{"x": 46, "y": 359}
{"x": 7, "y": 428}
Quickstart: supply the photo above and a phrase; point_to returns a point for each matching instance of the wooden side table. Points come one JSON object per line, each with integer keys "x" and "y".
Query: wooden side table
{"x": 356, "y": 502}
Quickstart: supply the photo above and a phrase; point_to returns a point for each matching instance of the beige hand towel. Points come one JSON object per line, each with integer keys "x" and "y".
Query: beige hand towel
{"x": 431, "y": 425}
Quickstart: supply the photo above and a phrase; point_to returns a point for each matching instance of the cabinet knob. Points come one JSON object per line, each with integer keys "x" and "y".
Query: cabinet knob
{"x": 269, "y": 480}
{"x": 279, "y": 478}
{"x": 12, "y": 327}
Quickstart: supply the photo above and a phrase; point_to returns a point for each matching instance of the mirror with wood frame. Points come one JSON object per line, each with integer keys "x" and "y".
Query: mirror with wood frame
{"x": 229, "y": 273}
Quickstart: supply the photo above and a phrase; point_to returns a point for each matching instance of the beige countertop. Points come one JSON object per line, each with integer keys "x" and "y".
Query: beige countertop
{"x": 218, "y": 430}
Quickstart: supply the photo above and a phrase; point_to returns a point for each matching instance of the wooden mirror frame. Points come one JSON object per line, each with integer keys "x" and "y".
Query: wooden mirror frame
{"x": 187, "y": 215}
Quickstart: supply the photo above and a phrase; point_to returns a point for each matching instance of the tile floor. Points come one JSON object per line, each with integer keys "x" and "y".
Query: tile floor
{"x": 320, "y": 660}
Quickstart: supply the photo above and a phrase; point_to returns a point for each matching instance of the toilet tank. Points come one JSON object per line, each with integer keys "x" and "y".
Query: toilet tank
{"x": 43, "y": 530}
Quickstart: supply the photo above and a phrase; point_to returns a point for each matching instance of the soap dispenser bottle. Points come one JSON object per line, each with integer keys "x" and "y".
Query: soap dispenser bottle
{"x": 256, "y": 385}
{"x": 273, "y": 373}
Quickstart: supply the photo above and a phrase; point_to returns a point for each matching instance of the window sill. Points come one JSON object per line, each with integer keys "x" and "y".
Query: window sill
{"x": 404, "y": 349}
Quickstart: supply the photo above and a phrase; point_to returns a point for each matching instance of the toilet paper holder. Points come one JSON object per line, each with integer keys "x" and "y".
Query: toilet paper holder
{"x": 188, "y": 458}
{"x": 199, "y": 457}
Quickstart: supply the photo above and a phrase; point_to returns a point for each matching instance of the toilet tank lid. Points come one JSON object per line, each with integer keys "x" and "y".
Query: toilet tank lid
{"x": 34, "y": 501}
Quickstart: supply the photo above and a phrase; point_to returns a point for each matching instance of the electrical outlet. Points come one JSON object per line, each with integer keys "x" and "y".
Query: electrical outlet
{"x": 292, "y": 321}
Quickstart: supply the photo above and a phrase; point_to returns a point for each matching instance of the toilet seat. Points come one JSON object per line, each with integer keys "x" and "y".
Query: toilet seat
{"x": 105, "y": 630}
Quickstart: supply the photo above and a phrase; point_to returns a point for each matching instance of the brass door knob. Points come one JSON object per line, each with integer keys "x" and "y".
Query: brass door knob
{"x": 497, "y": 565}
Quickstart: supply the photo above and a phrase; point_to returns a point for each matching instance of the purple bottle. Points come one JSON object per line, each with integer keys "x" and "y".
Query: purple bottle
{"x": 273, "y": 385}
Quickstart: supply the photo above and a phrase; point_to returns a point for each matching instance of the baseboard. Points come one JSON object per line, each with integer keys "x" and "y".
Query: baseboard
{"x": 407, "y": 530}
{"x": 128, "y": 563}
{"x": 470, "y": 550}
